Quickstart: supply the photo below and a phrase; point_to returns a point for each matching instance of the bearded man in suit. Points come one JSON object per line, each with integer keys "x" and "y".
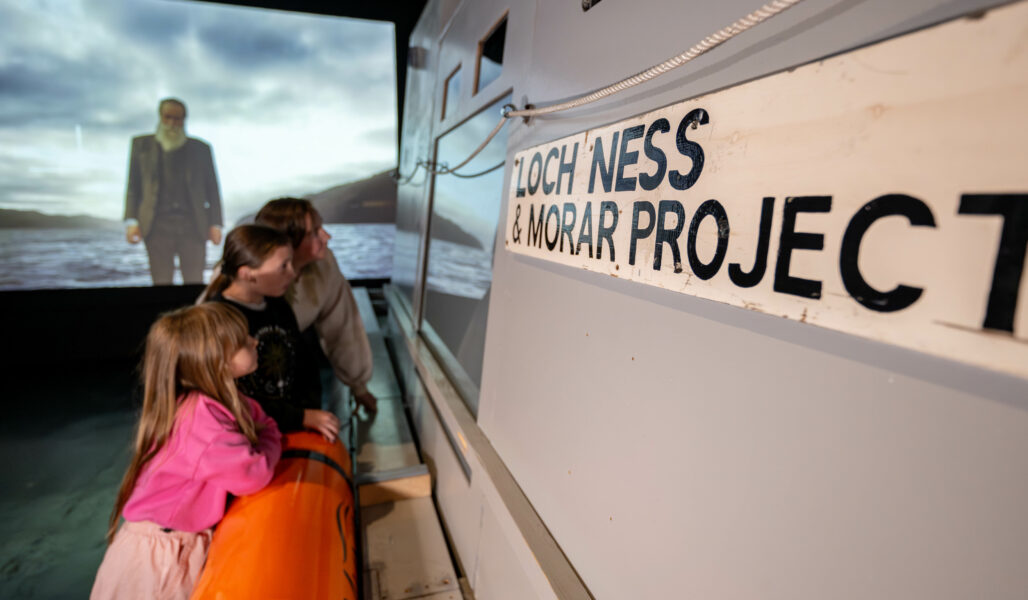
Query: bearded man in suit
{"x": 172, "y": 203}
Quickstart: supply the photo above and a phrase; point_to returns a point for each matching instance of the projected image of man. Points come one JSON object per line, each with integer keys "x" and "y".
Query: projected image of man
{"x": 172, "y": 202}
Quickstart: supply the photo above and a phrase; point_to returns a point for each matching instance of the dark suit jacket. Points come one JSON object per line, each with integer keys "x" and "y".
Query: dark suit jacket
{"x": 144, "y": 179}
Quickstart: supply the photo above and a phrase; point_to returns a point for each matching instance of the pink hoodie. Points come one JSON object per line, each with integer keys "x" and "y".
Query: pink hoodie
{"x": 186, "y": 484}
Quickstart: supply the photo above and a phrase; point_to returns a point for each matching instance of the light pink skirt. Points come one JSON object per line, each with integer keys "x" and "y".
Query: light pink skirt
{"x": 145, "y": 562}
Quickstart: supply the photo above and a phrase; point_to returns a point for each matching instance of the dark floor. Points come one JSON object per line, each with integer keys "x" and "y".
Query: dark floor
{"x": 64, "y": 445}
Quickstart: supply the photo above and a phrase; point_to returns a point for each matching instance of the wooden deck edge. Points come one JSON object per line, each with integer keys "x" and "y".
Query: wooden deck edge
{"x": 404, "y": 488}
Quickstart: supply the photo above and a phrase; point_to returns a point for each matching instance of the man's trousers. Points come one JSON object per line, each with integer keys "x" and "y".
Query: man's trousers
{"x": 171, "y": 236}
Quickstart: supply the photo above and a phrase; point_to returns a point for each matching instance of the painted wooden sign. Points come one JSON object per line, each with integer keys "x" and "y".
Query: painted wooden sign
{"x": 883, "y": 193}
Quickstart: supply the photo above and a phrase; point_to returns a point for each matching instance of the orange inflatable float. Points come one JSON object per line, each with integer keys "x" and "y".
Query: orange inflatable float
{"x": 293, "y": 539}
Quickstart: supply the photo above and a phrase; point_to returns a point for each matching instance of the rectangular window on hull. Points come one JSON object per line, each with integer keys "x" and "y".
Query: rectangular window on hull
{"x": 490, "y": 56}
{"x": 462, "y": 234}
{"x": 451, "y": 94}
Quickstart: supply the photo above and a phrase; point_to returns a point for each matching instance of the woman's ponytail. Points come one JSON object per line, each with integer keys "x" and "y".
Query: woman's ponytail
{"x": 218, "y": 284}
{"x": 245, "y": 246}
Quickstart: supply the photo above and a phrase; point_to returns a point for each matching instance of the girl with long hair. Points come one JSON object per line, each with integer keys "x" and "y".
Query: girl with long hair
{"x": 198, "y": 440}
{"x": 255, "y": 271}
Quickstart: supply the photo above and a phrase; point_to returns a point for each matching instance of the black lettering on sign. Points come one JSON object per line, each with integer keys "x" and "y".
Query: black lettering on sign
{"x": 646, "y": 181}
{"x": 1009, "y": 268}
{"x": 585, "y": 234}
{"x": 567, "y": 167}
{"x": 537, "y": 160}
{"x": 548, "y": 186}
{"x": 735, "y": 272}
{"x": 566, "y": 227}
{"x": 604, "y": 232}
{"x": 901, "y": 296}
{"x": 669, "y": 237}
{"x": 791, "y": 240}
{"x": 520, "y": 190}
{"x": 625, "y": 158}
{"x": 515, "y": 230}
{"x": 553, "y": 212}
{"x": 690, "y": 149}
{"x": 711, "y": 208}
{"x": 606, "y": 170}
{"x": 639, "y": 233}
{"x": 535, "y": 229}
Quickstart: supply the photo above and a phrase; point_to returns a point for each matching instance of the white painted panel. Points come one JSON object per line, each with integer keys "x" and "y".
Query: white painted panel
{"x": 499, "y": 575}
{"x": 460, "y": 506}
{"x": 739, "y": 455}
{"x": 574, "y": 53}
{"x": 459, "y": 46}
{"x": 800, "y": 473}
{"x": 869, "y": 203}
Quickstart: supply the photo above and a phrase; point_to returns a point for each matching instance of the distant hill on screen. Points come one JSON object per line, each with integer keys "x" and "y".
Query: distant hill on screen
{"x": 445, "y": 229}
{"x": 370, "y": 200}
{"x": 373, "y": 200}
{"x": 31, "y": 219}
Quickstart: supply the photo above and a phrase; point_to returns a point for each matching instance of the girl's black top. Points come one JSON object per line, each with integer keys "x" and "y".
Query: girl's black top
{"x": 286, "y": 380}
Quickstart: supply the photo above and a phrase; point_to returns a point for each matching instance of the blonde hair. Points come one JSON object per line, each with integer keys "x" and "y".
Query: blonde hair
{"x": 187, "y": 350}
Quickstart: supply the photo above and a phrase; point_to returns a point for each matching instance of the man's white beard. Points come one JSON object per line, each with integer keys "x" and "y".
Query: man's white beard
{"x": 170, "y": 138}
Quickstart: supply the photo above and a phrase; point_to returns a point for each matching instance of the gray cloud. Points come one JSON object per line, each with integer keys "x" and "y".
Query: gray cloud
{"x": 32, "y": 183}
{"x": 253, "y": 48}
{"x": 101, "y": 65}
{"x": 139, "y": 43}
{"x": 158, "y": 25}
{"x": 375, "y": 137}
{"x": 46, "y": 90}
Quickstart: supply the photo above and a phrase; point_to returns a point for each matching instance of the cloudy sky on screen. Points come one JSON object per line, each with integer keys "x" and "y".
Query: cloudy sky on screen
{"x": 291, "y": 104}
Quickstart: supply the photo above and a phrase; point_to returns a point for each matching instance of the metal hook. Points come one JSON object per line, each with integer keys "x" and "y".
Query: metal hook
{"x": 509, "y": 108}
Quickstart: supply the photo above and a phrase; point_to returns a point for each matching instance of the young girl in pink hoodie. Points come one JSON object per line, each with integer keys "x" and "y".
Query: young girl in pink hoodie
{"x": 198, "y": 441}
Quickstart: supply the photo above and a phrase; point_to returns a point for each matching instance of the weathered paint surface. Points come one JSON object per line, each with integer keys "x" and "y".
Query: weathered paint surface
{"x": 880, "y": 193}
